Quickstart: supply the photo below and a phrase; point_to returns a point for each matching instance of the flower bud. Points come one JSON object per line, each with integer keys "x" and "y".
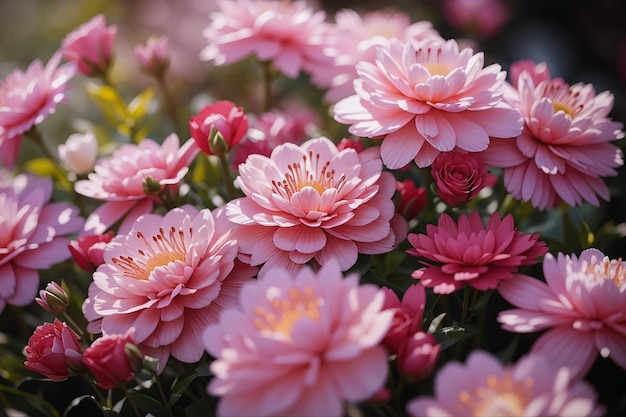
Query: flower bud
{"x": 217, "y": 144}
{"x": 90, "y": 46}
{"x": 53, "y": 298}
{"x": 88, "y": 250}
{"x": 224, "y": 117}
{"x": 79, "y": 152}
{"x": 418, "y": 355}
{"x": 412, "y": 199}
{"x": 113, "y": 359}
{"x": 151, "y": 186}
{"x": 154, "y": 56}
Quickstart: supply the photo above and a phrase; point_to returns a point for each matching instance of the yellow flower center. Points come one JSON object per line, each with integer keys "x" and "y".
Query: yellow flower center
{"x": 564, "y": 98}
{"x": 430, "y": 58}
{"x": 286, "y": 309}
{"x": 498, "y": 397}
{"x": 607, "y": 269}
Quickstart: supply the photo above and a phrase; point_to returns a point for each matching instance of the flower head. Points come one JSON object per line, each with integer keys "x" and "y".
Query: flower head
{"x": 79, "y": 152}
{"x": 565, "y": 148}
{"x": 407, "y": 315}
{"x": 33, "y": 235}
{"x": 221, "y": 118}
{"x": 288, "y": 34}
{"x": 90, "y": 46}
{"x": 483, "y": 17}
{"x": 456, "y": 254}
{"x": 582, "y": 303}
{"x": 299, "y": 344}
{"x": 425, "y": 98}
{"x": 119, "y": 180}
{"x": 27, "y": 98}
{"x": 418, "y": 354}
{"x": 53, "y": 298}
{"x": 412, "y": 198}
{"x": 313, "y": 202}
{"x": 154, "y": 56}
{"x": 484, "y": 387}
{"x": 113, "y": 359}
{"x": 169, "y": 278}
{"x": 87, "y": 250}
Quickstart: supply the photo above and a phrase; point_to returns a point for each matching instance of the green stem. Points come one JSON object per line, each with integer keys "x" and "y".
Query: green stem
{"x": 162, "y": 394}
{"x": 228, "y": 179}
{"x": 268, "y": 78}
{"x": 73, "y": 324}
{"x": 465, "y": 307}
{"x": 130, "y": 400}
{"x": 102, "y": 402}
{"x": 36, "y": 137}
{"x": 170, "y": 104}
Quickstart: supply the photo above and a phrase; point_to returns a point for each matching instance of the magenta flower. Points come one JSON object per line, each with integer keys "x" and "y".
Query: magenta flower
{"x": 418, "y": 355}
{"x": 469, "y": 253}
{"x": 564, "y": 150}
{"x": 223, "y": 117}
{"x": 530, "y": 387}
{"x": 582, "y": 303}
{"x": 120, "y": 180}
{"x": 27, "y": 98}
{"x": 407, "y": 315}
{"x": 33, "y": 235}
{"x": 290, "y": 35}
{"x": 427, "y": 98}
{"x": 168, "y": 278}
{"x": 90, "y": 46}
{"x": 88, "y": 250}
{"x": 113, "y": 359}
{"x": 299, "y": 344}
{"x": 314, "y": 203}
{"x": 412, "y": 198}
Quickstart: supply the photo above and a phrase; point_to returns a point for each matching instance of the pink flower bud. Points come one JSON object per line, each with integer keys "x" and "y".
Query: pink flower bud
{"x": 90, "y": 46}
{"x": 412, "y": 199}
{"x": 223, "y": 117}
{"x": 53, "y": 299}
{"x": 54, "y": 351}
{"x": 87, "y": 250}
{"x": 408, "y": 315}
{"x": 418, "y": 355}
{"x": 154, "y": 56}
{"x": 355, "y": 144}
{"x": 79, "y": 152}
{"x": 460, "y": 176}
{"x": 113, "y": 359}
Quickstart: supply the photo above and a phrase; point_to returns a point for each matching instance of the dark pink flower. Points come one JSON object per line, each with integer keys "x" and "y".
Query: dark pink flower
{"x": 90, "y": 46}
{"x": 407, "y": 315}
{"x": 113, "y": 359}
{"x": 223, "y": 117}
{"x": 412, "y": 198}
{"x": 418, "y": 354}
{"x": 468, "y": 253}
{"x": 87, "y": 250}
{"x": 54, "y": 351}
{"x": 482, "y": 17}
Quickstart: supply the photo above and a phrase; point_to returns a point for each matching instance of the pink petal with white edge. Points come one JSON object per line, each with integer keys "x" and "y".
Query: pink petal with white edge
{"x": 524, "y": 321}
{"x": 525, "y": 292}
{"x": 399, "y": 148}
{"x": 567, "y": 347}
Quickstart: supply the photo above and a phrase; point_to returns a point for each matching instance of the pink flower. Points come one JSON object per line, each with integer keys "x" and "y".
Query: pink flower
{"x": 32, "y": 235}
{"x": 538, "y": 72}
{"x": 54, "y": 351}
{"x": 299, "y": 344}
{"x": 582, "y": 303}
{"x": 407, "y": 315}
{"x": 119, "y": 180}
{"x": 79, "y": 152}
{"x": 313, "y": 203}
{"x": 483, "y": 17}
{"x": 460, "y": 176}
{"x": 564, "y": 150}
{"x": 354, "y": 38}
{"x": 418, "y": 354}
{"x": 412, "y": 198}
{"x": 426, "y": 98}
{"x": 154, "y": 56}
{"x": 27, "y": 98}
{"x": 222, "y": 117}
{"x": 169, "y": 278}
{"x": 482, "y": 386}
{"x": 473, "y": 254}
{"x": 87, "y": 250}
{"x": 290, "y": 35}
{"x": 113, "y": 359}
{"x": 90, "y": 46}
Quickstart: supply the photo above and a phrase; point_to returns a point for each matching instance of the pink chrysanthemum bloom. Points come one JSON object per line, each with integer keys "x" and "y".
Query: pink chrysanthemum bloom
{"x": 27, "y": 98}
{"x": 299, "y": 345}
{"x": 353, "y": 38}
{"x": 531, "y": 387}
{"x": 468, "y": 253}
{"x": 168, "y": 278}
{"x": 314, "y": 203}
{"x": 564, "y": 150}
{"x": 32, "y": 235}
{"x": 582, "y": 302}
{"x": 121, "y": 180}
{"x": 425, "y": 98}
{"x": 289, "y": 34}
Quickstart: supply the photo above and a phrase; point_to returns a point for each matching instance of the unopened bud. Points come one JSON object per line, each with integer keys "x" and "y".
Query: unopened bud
{"x": 135, "y": 357}
{"x": 217, "y": 143}
{"x": 53, "y": 298}
{"x": 151, "y": 186}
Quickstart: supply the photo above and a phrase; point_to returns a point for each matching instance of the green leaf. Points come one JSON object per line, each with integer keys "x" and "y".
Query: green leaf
{"x": 148, "y": 404}
{"x": 37, "y": 403}
{"x": 110, "y": 103}
{"x": 448, "y": 336}
{"x": 179, "y": 388}
{"x": 138, "y": 107}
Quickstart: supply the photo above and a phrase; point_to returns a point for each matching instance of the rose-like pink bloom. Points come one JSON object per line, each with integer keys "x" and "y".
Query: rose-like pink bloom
{"x": 87, "y": 250}
{"x": 79, "y": 152}
{"x": 53, "y": 299}
{"x": 33, "y": 235}
{"x": 54, "y": 350}
{"x": 154, "y": 56}
{"x": 482, "y": 17}
{"x": 418, "y": 354}
{"x": 314, "y": 203}
{"x": 582, "y": 303}
{"x": 456, "y": 254}
{"x": 425, "y": 98}
{"x": 460, "y": 176}
{"x": 412, "y": 198}
{"x": 27, "y": 98}
{"x": 169, "y": 278}
{"x": 120, "y": 180}
{"x": 90, "y": 46}
{"x": 290, "y": 35}
{"x": 299, "y": 344}
{"x": 113, "y": 359}
{"x": 564, "y": 150}
{"x": 223, "y": 117}
{"x": 407, "y": 314}
{"x": 353, "y": 38}
{"x": 530, "y": 387}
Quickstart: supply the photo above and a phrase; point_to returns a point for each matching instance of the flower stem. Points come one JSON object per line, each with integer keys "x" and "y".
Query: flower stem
{"x": 268, "y": 78}
{"x": 73, "y": 324}
{"x": 170, "y": 104}
{"x": 36, "y": 137}
{"x": 130, "y": 400}
{"x": 102, "y": 402}
{"x": 162, "y": 394}
{"x": 228, "y": 179}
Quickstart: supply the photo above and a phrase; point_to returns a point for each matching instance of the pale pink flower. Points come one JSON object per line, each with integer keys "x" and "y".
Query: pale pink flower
{"x": 485, "y": 387}
{"x": 314, "y": 203}
{"x": 425, "y": 98}
{"x": 564, "y": 150}
{"x": 482, "y": 17}
{"x": 290, "y": 35}
{"x": 468, "y": 253}
{"x": 353, "y": 38}
{"x": 120, "y": 180}
{"x": 582, "y": 303}
{"x": 90, "y": 46}
{"x": 299, "y": 344}
{"x": 27, "y": 98}
{"x": 33, "y": 235}
{"x": 79, "y": 152}
{"x": 169, "y": 278}
{"x": 154, "y": 56}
